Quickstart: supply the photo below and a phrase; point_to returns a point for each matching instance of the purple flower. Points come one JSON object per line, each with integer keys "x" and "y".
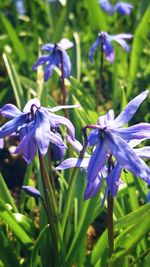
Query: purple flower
{"x": 58, "y": 57}
{"x": 122, "y": 8}
{"x": 105, "y": 40}
{"x": 31, "y": 191}
{"x": 110, "y": 139}
{"x": 35, "y": 126}
{"x": 106, "y": 6}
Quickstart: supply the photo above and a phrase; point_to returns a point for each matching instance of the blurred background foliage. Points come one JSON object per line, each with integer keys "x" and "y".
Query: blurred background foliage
{"x": 25, "y": 27}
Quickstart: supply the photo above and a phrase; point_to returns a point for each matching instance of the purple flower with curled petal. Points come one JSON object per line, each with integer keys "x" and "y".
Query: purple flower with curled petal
{"x": 122, "y": 8}
{"x": 57, "y": 57}
{"x": 109, "y": 138}
{"x": 105, "y": 41}
{"x": 35, "y": 126}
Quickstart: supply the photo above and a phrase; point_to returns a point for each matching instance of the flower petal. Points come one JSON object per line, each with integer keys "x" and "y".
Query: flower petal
{"x": 93, "y": 48}
{"x": 138, "y": 131}
{"x": 97, "y": 160}
{"x": 57, "y": 140}
{"x": 12, "y": 126}
{"x": 10, "y": 111}
{"x": 106, "y": 6}
{"x": 48, "y": 47}
{"x": 54, "y": 60}
{"x": 65, "y": 44}
{"x": 40, "y": 61}
{"x": 109, "y": 51}
{"x": 93, "y": 137}
{"x": 126, "y": 156}
{"x": 143, "y": 152}
{"x": 106, "y": 119}
{"x": 123, "y": 8}
{"x": 113, "y": 179}
{"x": 72, "y": 163}
{"x": 75, "y": 143}
{"x": 32, "y": 102}
{"x": 93, "y": 187}
{"x": 66, "y": 64}
{"x": 56, "y": 120}
{"x": 31, "y": 191}
{"x": 42, "y": 133}
{"x": 130, "y": 109}
{"x": 54, "y": 109}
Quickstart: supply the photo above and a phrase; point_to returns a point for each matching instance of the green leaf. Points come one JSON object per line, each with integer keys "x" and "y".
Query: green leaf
{"x": 14, "y": 78}
{"x": 130, "y": 237}
{"x": 9, "y": 219}
{"x": 96, "y": 15}
{"x": 7, "y": 255}
{"x": 5, "y": 194}
{"x": 19, "y": 49}
{"x": 37, "y": 246}
{"x": 137, "y": 47}
{"x": 26, "y": 223}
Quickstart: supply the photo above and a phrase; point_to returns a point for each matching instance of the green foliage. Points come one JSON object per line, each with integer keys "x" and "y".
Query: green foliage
{"x": 25, "y": 237}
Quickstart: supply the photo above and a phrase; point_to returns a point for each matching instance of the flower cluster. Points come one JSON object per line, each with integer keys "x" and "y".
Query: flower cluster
{"x": 122, "y": 8}
{"x": 35, "y": 126}
{"x": 109, "y": 140}
{"x": 105, "y": 40}
{"x": 58, "y": 57}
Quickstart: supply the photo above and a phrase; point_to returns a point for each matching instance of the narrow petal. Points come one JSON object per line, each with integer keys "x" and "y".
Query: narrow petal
{"x": 106, "y": 119}
{"x": 10, "y": 111}
{"x": 75, "y": 143}
{"x": 93, "y": 137}
{"x": 113, "y": 179}
{"x": 97, "y": 160}
{"x": 54, "y": 109}
{"x": 93, "y": 187}
{"x": 42, "y": 133}
{"x": 138, "y": 131}
{"x": 12, "y": 126}
{"x": 57, "y": 140}
{"x": 143, "y": 152}
{"x": 65, "y": 44}
{"x": 66, "y": 64}
{"x": 126, "y": 156}
{"x": 72, "y": 163}
{"x": 54, "y": 60}
{"x": 93, "y": 48}
{"x": 56, "y": 120}
{"x": 48, "y": 47}
{"x": 120, "y": 36}
{"x": 27, "y": 146}
{"x": 31, "y": 191}
{"x": 130, "y": 109}
{"x": 109, "y": 51}
{"x": 40, "y": 61}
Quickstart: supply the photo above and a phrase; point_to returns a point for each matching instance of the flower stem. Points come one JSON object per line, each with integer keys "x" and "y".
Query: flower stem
{"x": 99, "y": 92}
{"x": 64, "y": 91}
{"x": 51, "y": 208}
{"x": 110, "y": 223}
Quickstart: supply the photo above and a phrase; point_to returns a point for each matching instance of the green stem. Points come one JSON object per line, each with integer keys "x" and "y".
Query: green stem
{"x": 69, "y": 199}
{"x": 51, "y": 208}
{"x": 141, "y": 257}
